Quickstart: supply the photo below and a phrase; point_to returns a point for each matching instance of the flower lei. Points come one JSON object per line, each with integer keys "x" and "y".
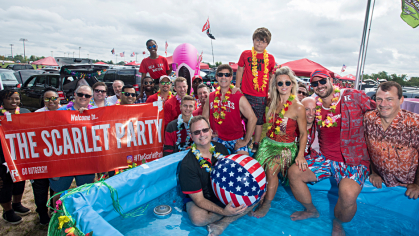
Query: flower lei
{"x": 188, "y": 135}
{"x": 168, "y": 96}
{"x": 118, "y": 102}
{"x": 330, "y": 120}
{"x": 5, "y": 112}
{"x": 201, "y": 160}
{"x": 255, "y": 70}
{"x": 276, "y": 129}
{"x": 71, "y": 104}
{"x": 219, "y": 117}
{"x": 93, "y": 103}
{"x": 179, "y": 99}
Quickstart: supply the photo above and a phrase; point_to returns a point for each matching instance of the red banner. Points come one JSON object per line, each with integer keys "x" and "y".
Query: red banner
{"x": 65, "y": 143}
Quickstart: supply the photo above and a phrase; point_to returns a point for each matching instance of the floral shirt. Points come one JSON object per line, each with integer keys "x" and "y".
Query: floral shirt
{"x": 395, "y": 151}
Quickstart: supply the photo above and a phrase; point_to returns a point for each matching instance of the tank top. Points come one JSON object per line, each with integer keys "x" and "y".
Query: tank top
{"x": 232, "y": 127}
{"x": 287, "y": 132}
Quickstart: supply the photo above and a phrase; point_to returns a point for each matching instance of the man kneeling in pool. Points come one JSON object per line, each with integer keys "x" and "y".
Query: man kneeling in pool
{"x": 203, "y": 207}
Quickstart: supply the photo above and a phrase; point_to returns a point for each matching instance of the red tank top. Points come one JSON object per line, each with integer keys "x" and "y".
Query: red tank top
{"x": 287, "y": 133}
{"x": 329, "y": 138}
{"x": 232, "y": 127}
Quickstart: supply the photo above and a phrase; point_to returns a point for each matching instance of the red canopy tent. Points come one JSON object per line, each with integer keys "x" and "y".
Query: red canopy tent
{"x": 101, "y": 63}
{"x": 234, "y": 66}
{"x": 48, "y": 61}
{"x": 204, "y": 66}
{"x": 304, "y": 67}
{"x": 133, "y": 63}
{"x": 348, "y": 77}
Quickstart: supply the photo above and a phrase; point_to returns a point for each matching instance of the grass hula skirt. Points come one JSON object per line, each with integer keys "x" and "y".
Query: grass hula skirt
{"x": 271, "y": 153}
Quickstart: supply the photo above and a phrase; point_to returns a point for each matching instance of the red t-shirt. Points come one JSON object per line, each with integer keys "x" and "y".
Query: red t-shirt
{"x": 171, "y": 110}
{"x": 198, "y": 111}
{"x": 232, "y": 127}
{"x": 247, "y": 80}
{"x": 329, "y": 138}
{"x": 153, "y": 98}
{"x": 155, "y": 67}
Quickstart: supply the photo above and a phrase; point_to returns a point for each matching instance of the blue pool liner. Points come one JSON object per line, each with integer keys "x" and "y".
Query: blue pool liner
{"x": 93, "y": 210}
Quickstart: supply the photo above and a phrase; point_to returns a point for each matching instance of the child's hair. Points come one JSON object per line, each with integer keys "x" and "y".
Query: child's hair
{"x": 262, "y": 34}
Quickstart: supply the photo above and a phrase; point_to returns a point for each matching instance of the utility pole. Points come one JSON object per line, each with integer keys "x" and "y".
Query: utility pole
{"x": 136, "y": 54}
{"x": 24, "y": 52}
{"x": 52, "y": 53}
{"x": 11, "y": 49}
{"x": 79, "y": 52}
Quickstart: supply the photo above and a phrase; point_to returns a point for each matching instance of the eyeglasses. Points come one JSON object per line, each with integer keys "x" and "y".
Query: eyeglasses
{"x": 280, "y": 83}
{"x": 316, "y": 83}
{"x": 100, "y": 91}
{"x": 129, "y": 94}
{"x": 150, "y": 47}
{"x": 148, "y": 83}
{"x": 198, "y": 132}
{"x": 82, "y": 94}
{"x": 165, "y": 83}
{"x": 50, "y": 99}
{"x": 303, "y": 93}
{"x": 225, "y": 74}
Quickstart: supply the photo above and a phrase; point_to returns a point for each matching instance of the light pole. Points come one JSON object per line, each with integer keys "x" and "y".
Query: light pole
{"x": 73, "y": 54}
{"x": 52, "y": 53}
{"x": 79, "y": 52}
{"x": 136, "y": 54}
{"x": 24, "y": 52}
{"x": 11, "y": 49}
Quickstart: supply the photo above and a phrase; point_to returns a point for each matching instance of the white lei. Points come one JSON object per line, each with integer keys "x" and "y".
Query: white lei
{"x": 188, "y": 131}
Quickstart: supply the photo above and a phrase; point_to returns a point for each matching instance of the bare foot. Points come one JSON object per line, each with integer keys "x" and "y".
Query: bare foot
{"x": 217, "y": 228}
{"x": 338, "y": 228}
{"x": 262, "y": 210}
{"x": 302, "y": 215}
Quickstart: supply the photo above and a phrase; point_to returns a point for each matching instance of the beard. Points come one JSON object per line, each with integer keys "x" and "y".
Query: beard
{"x": 328, "y": 92}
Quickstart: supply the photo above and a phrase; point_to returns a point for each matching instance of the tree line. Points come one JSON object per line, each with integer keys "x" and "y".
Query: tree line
{"x": 403, "y": 80}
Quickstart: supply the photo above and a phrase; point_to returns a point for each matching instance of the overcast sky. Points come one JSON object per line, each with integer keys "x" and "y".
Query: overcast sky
{"x": 325, "y": 31}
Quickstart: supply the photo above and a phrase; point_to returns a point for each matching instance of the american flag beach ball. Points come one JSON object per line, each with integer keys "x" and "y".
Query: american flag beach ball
{"x": 238, "y": 178}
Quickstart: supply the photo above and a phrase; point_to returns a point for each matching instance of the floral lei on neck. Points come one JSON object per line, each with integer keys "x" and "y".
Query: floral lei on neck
{"x": 5, "y": 112}
{"x": 201, "y": 160}
{"x": 93, "y": 103}
{"x": 330, "y": 120}
{"x": 168, "y": 96}
{"x": 188, "y": 133}
{"x": 71, "y": 104}
{"x": 273, "y": 132}
{"x": 219, "y": 117}
{"x": 179, "y": 99}
{"x": 255, "y": 70}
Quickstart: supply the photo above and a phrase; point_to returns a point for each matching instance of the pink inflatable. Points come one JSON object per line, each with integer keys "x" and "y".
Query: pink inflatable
{"x": 188, "y": 64}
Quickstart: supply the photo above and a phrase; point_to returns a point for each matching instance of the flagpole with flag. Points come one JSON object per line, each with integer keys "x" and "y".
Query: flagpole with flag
{"x": 207, "y": 28}
{"x": 166, "y": 46}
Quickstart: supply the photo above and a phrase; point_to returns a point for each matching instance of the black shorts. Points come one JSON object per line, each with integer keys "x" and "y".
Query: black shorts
{"x": 7, "y": 187}
{"x": 258, "y": 105}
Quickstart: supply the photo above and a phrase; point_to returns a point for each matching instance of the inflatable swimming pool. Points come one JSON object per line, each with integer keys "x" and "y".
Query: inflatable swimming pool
{"x": 380, "y": 211}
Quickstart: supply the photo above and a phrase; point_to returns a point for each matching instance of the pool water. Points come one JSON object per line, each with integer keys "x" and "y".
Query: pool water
{"x": 369, "y": 220}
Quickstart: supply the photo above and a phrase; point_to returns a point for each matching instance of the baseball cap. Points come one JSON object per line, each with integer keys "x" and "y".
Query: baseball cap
{"x": 196, "y": 77}
{"x": 164, "y": 76}
{"x": 322, "y": 73}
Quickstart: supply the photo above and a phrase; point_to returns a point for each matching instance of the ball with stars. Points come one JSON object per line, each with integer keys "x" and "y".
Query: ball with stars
{"x": 239, "y": 179}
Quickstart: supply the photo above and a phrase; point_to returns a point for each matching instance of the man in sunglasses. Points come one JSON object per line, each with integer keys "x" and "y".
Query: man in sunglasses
{"x": 99, "y": 95}
{"x": 82, "y": 97}
{"x": 128, "y": 95}
{"x": 196, "y": 81}
{"x": 164, "y": 92}
{"x": 201, "y": 204}
{"x": 117, "y": 88}
{"x": 155, "y": 65}
{"x": 172, "y": 106}
{"x": 176, "y": 137}
{"x": 203, "y": 92}
{"x": 225, "y": 109}
{"x": 146, "y": 90}
{"x": 302, "y": 92}
{"x": 343, "y": 150}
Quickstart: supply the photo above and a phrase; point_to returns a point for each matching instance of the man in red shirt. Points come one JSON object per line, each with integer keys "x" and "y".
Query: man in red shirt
{"x": 155, "y": 65}
{"x": 343, "y": 151}
{"x": 252, "y": 77}
{"x": 203, "y": 92}
{"x": 172, "y": 106}
{"x": 196, "y": 81}
{"x": 164, "y": 92}
{"x": 224, "y": 110}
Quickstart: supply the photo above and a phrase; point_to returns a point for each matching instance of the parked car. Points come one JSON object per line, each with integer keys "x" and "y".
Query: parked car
{"x": 8, "y": 79}
{"x": 23, "y": 75}
{"x": 69, "y": 78}
{"x": 128, "y": 75}
{"x": 20, "y": 67}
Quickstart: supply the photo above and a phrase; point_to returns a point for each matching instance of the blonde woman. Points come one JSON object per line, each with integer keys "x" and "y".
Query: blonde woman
{"x": 278, "y": 149}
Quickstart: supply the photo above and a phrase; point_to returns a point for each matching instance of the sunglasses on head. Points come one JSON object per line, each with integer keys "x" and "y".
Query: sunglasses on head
{"x": 148, "y": 83}
{"x": 316, "y": 83}
{"x": 198, "y": 132}
{"x": 150, "y": 47}
{"x": 223, "y": 74}
{"x": 164, "y": 83}
{"x": 100, "y": 91}
{"x": 82, "y": 94}
{"x": 129, "y": 94}
{"x": 50, "y": 99}
{"x": 280, "y": 83}
{"x": 303, "y": 93}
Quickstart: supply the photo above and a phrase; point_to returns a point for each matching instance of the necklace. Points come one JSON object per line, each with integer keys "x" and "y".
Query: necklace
{"x": 118, "y": 102}
{"x": 219, "y": 117}
{"x": 168, "y": 96}
{"x": 330, "y": 120}
{"x": 5, "y": 112}
{"x": 71, "y": 105}
{"x": 179, "y": 99}
{"x": 274, "y": 128}
{"x": 93, "y": 103}
{"x": 179, "y": 136}
{"x": 255, "y": 70}
{"x": 202, "y": 162}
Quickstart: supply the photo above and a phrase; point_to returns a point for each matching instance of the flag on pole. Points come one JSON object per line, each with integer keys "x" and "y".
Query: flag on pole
{"x": 206, "y": 26}
{"x": 113, "y": 51}
{"x": 132, "y": 54}
{"x": 410, "y": 12}
{"x": 200, "y": 57}
{"x": 165, "y": 50}
{"x": 343, "y": 68}
{"x": 210, "y": 35}
{"x": 122, "y": 54}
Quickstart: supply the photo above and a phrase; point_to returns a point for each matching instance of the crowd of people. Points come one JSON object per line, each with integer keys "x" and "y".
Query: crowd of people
{"x": 337, "y": 132}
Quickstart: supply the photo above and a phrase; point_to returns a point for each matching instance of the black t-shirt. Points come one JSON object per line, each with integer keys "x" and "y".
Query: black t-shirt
{"x": 194, "y": 179}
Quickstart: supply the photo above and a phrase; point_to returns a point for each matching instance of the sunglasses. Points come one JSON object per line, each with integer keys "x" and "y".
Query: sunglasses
{"x": 129, "y": 94}
{"x": 198, "y": 132}
{"x": 150, "y": 47}
{"x": 303, "y": 93}
{"x": 148, "y": 83}
{"x": 82, "y": 94}
{"x": 100, "y": 91}
{"x": 50, "y": 99}
{"x": 224, "y": 74}
{"x": 280, "y": 83}
{"x": 165, "y": 83}
{"x": 316, "y": 83}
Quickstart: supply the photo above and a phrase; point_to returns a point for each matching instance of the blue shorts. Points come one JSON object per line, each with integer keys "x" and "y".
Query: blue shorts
{"x": 324, "y": 168}
{"x": 64, "y": 183}
{"x": 230, "y": 146}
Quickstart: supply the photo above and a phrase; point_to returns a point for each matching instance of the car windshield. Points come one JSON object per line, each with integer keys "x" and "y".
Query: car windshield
{"x": 8, "y": 76}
